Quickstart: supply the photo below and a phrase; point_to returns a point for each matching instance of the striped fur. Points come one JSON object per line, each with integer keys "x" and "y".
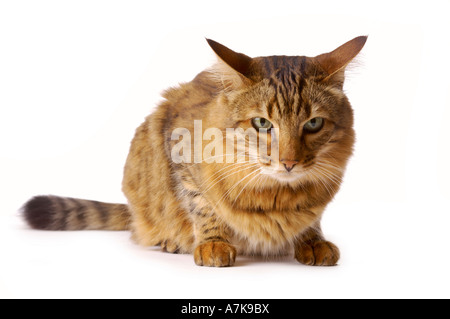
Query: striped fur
{"x": 64, "y": 213}
{"x": 216, "y": 211}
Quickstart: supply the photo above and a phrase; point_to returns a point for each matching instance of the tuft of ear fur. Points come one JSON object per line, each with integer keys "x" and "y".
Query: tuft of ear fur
{"x": 232, "y": 68}
{"x": 335, "y": 62}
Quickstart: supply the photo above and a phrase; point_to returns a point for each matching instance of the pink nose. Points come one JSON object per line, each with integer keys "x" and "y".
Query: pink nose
{"x": 288, "y": 164}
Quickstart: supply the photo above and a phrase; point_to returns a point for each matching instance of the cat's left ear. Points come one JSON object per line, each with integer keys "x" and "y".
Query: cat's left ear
{"x": 335, "y": 62}
{"x": 233, "y": 68}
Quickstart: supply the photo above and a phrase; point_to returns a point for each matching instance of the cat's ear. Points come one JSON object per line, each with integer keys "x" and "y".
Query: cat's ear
{"x": 335, "y": 62}
{"x": 233, "y": 68}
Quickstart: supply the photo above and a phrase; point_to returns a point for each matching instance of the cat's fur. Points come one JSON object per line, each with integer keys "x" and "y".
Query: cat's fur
{"x": 218, "y": 210}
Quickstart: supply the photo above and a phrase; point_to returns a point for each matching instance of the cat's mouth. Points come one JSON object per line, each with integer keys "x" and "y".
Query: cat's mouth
{"x": 283, "y": 175}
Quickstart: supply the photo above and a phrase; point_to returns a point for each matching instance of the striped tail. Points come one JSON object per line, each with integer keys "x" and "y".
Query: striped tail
{"x": 64, "y": 213}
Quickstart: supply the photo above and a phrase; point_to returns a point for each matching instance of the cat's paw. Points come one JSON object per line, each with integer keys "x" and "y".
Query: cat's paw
{"x": 215, "y": 254}
{"x": 170, "y": 247}
{"x": 318, "y": 253}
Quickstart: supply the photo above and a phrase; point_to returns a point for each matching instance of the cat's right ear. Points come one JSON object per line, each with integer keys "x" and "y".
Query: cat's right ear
{"x": 233, "y": 68}
{"x": 335, "y": 62}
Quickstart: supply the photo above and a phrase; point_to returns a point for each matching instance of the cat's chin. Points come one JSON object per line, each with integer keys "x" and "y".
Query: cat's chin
{"x": 285, "y": 177}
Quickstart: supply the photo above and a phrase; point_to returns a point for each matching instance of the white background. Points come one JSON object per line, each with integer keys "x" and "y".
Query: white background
{"x": 77, "y": 78}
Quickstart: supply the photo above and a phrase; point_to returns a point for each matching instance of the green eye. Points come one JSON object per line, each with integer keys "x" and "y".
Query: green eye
{"x": 314, "y": 125}
{"x": 261, "y": 123}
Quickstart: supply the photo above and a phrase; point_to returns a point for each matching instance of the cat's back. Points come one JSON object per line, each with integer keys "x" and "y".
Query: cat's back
{"x": 187, "y": 102}
{"x": 181, "y": 106}
{"x": 148, "y": 182}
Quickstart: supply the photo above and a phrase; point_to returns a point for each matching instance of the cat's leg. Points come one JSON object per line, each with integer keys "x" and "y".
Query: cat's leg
{"x": 312, "y": 249}
{"x": 213, "y": 248}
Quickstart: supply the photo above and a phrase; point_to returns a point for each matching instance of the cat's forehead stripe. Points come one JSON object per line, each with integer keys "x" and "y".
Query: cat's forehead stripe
{"x": 287, "y": 77}
{"x": 273, "y": 64}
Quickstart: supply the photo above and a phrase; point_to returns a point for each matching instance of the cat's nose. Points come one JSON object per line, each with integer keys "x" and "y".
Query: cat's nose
{"x": 288, "y": 164}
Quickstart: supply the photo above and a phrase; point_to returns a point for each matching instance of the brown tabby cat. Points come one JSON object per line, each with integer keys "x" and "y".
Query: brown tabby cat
{"x": 264, "y": 204}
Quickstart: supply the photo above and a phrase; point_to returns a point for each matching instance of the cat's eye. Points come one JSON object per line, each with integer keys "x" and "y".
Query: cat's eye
{"x": 261, "y": 123}
{"x": 314, "y": 125}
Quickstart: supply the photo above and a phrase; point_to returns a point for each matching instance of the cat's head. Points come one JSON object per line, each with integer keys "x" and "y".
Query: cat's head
{"x": 295, "y": 102}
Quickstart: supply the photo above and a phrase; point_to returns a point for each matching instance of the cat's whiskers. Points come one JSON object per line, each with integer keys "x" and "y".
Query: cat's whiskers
{"x": 213, "y": 157}
{"x": 247, "y": 166}
{"x": 332, "y": 171}
{"x": 252, "y": 160}
{"x": 228, "y": 193}
{"x": 243, "y": 188}
{"x": 215, "y": 177}
{"x": 321, "y": 167}
{"x": 228, "y": 174}
{"x": 318, "y": 180}
{"x": 331, "y": 181}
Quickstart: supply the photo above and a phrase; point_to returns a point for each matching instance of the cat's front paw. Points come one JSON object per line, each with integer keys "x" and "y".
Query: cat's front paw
{"x": 317, "y": 253}
{"x": 215, "y": 254}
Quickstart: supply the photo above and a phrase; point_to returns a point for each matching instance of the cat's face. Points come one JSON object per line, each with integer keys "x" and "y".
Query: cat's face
{"x": 305, "y": 124}
{"x": 296, "y": 107}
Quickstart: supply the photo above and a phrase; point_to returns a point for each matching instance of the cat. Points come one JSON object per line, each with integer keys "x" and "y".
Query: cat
{"x": 263, "y": 204}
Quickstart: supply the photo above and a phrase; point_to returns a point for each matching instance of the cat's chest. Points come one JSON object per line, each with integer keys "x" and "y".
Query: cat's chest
{"x": 269, "y": 218}
{"x": 268, "y": 200}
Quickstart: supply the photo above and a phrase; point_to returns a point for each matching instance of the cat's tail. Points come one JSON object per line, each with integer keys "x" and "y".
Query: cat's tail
{"x": 64, "y": 213}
